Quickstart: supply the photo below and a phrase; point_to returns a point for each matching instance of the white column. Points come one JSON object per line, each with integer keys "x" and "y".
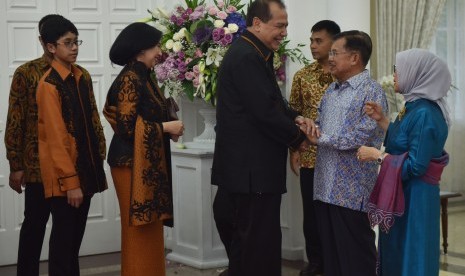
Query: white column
{"x": 194, "y": 240}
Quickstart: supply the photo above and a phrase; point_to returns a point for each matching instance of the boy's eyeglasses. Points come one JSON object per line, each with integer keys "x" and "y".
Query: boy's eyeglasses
{"x": 69, "y": 44}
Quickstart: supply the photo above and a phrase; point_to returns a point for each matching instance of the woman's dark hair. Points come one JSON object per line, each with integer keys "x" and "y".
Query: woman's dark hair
{"x": 357, "y": 41}
{"x": 133, "y": 39}
{"x": 261, "y": 10}
{"x": 55, "y": 27}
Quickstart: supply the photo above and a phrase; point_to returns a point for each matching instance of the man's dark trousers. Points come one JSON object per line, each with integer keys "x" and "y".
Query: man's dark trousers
{"x": 310, "y": 224}
{"x": 255, "y": 246}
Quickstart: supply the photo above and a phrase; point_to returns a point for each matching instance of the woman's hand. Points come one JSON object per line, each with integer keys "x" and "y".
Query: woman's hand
{"x": 174, "y": 128}
{"x": 375, "y": 112}
{"x": 365, "y": 154}
{"x": 175, "y": 138}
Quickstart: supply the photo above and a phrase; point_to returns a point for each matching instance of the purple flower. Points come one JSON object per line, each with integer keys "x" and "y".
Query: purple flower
{"x": 218, "y": 33}
{"x": 180, "y": 9}
{"x": 228, "y": 38}
{"x": 179, "y": 21}
{"x": 201, "y": 35}
{"x": 173, "y": 18}
{"x": 182, "y": 67}
{"x": 160, "y": 71}
{"x": 198, "y": 13}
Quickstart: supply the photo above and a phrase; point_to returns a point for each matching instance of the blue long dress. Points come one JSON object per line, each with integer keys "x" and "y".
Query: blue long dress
{"x": 412, "y": 245}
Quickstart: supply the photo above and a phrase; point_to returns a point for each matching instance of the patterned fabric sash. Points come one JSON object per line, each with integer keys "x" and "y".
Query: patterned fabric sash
{"x": 151, "y": 193}
{"x": 387, "y": 197}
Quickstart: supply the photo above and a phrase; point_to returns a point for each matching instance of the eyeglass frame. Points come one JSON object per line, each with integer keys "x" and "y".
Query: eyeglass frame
{"x": 69, "y": 44}
{"x": 394, "y": 68}
{"x": 334, "y": 54}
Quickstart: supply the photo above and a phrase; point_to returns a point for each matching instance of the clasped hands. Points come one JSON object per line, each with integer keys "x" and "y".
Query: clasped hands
{"x": 311, "y": 130}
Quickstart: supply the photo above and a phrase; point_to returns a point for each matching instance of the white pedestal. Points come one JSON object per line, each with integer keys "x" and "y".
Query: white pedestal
{"x": 194, "y": 240}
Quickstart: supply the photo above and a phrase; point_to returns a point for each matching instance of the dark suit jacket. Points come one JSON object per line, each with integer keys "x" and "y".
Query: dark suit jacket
{"x": 255, "y": 126}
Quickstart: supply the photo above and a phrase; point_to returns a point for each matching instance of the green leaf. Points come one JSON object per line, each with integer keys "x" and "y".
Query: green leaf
{"x": 189, "y": 89}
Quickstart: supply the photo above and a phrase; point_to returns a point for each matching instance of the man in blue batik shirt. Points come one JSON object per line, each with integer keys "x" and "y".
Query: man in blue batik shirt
{"x": 342, "y": 184}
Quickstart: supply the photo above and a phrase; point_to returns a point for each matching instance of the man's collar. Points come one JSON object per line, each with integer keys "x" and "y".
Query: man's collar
{"x": 65, "y": 72}
{"x": 258, "y": 44}
{"x": 355, "y": 80}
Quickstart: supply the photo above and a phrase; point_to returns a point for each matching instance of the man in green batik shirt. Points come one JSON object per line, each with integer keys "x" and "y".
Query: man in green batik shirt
{"x": 308, "y": 86}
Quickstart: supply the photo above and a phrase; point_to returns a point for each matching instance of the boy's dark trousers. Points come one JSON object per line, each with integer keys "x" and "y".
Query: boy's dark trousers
{"x": 69, "y": 224}
{"x": 31, "y": 235}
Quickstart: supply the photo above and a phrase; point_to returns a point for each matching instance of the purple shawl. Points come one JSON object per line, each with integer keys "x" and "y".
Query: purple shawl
{"x": 387, "y": 197}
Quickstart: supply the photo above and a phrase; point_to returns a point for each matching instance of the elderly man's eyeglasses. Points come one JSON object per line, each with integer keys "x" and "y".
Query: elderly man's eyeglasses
{"x": 333, "y": 53}
{"x": 70, "y": 44}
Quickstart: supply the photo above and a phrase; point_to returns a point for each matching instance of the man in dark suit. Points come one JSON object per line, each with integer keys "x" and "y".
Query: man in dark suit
{"x": 255, "y": 127}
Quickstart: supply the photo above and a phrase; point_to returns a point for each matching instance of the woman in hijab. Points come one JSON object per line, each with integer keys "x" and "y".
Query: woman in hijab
{"x": 139, "y": 154}
{"x": 405, "y": 200}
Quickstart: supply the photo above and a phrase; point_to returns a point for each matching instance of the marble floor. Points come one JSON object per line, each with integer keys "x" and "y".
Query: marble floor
{"x": 452, "y": 264}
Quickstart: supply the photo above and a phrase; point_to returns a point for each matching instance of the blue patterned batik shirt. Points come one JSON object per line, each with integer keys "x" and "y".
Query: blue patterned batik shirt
{"x": 341, "y": 179}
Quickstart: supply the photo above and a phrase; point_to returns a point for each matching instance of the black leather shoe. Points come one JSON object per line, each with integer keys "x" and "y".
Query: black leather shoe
{"x": 311, "y": 270}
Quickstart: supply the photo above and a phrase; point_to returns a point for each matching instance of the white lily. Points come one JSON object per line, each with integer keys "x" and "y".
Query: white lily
{"x": 214, "y": 57}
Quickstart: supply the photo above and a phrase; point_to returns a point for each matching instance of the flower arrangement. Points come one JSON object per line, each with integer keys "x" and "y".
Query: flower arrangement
{"x": 395, "y": 101}
{"x": 196, "y": 37}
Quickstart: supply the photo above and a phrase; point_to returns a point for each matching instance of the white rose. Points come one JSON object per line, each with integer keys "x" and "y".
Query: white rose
{"x": 182, "y": 33}
{"x": 226, "y": 30}
{"x": 233, "y": 28}
{"x": 219, "y": 23}
{"x": 169, "y": 44}
{"x": 177, "y": 46}
{"x": 176, "y": 37}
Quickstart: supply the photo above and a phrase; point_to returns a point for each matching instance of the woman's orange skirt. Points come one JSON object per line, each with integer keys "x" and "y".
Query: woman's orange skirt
{"x": 142, "y": 247}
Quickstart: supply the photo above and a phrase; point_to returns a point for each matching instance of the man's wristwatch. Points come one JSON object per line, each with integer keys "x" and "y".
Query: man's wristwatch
{"x": 380, "y": 158}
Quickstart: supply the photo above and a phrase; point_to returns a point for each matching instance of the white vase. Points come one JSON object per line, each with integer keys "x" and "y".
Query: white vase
{"x": 208, "y": 135}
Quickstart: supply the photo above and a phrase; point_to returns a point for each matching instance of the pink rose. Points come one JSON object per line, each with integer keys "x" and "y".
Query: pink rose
{"x": 213, "y": 10}
{"x": 196, "y": 82}
{"x": 222, "y": 15}
{"x": 198, "y": 53}
{"x": 189, "y": 75}
{"x": 231, "y": 9}
{"x": 220, "y": 4}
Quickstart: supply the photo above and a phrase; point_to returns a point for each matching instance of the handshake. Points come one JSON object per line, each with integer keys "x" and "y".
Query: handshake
{"x": 310, "y": 129}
